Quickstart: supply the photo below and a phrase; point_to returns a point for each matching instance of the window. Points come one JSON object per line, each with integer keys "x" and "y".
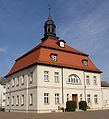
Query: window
{"x": 88, "y": 98}
{"x": 46, "y": 75}
{"x": 85, "y": 62}
{"x": 96, "y": 99}
{"x": 17, "y": 100}
{"x": 13, "y": 82}
{"x": 56, "y": 77}
{"x": 31, "y": 77}
{"x": 80, "y": 97}
{"x": 31, "y": 99}
{"x": 95, "y": 80}
{"x": 22, "y": 80}
{"x": 87, "y": 80}
{"x": 54, "y": 57}
{"x": 17, "y": 81}
{"x": 46, "y": 98}
{"x": 67, "y": 97}
{"x": 56, "y": 98}
{"x": 74, "y": 79}
{"x": 8, "y": 85}
{"x": 22, "y": 100}
{"x": 8, "y": 101}
{"x": 12, "y": 100}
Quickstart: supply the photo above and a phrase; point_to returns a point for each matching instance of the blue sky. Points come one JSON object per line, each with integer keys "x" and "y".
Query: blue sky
{"x": 84, "y": 24}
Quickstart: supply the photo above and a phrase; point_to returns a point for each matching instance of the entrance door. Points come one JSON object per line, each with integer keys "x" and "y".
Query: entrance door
{"x": 74, "y": 98}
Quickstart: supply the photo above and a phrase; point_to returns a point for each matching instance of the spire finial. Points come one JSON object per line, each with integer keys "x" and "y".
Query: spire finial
{"x": 49, "y": 8}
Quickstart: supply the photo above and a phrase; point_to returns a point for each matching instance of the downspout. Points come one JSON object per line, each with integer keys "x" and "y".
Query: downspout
{"x": 84, "y": 86}
{"x": 62, "y": 86}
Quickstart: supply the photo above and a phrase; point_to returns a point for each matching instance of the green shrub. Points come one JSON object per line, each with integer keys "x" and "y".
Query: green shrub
{"x": 70, "y": 106}
{"x": 83, "y": 105}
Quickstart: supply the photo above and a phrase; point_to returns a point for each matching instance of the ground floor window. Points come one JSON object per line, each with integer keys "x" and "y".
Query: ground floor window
{"x": 31, "y": 99}
{"x": 67, "y": 97}
{"x": 22, "y": 100}
{"x": 96, "y": 99}
{"x": 56, "y": 98}
{"x": 88, "y": 98}
{"x": 8, "y": 101}
{"x": 46, "y": 98}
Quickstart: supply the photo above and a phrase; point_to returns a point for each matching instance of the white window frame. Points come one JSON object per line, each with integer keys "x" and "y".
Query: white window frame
{"x": 56, "y": 98}
{"x": 53, "y": 57}
{"x": 88, "y": 98}
{"x": 94, "y": 80}
{"x": 87, "y": 80}
{"x": 17, "y": 100}
{"x": 30, "y": 77}
{"x": 81, "y": 97}
{"x": 8, "y": 101}
{"x": 67, "y": 97}
{"x": 22, "y": 100}
{"x": 56, "y": 77}
{"x": 12, "y": 100}
{"x": 95, "y": 99}
{"x": 31, "y": 99}
{"x": 46, "y": 98}
{"x": 46, "y": 76}
{"x": 22, "y": 79}
{"x": 17, "y": 81}
{"x": 13, "y": 82}
{"x": 73, "y": 79}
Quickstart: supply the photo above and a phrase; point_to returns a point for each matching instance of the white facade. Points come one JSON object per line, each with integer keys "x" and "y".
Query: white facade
{"x": 50, "y": 87}
{"x": 2, "y": 96}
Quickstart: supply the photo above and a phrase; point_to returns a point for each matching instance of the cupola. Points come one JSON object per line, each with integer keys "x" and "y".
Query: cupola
{"x": 49, "y": 27}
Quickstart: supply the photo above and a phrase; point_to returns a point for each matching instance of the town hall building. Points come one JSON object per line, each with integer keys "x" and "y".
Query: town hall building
{"x": 46, "y": 77}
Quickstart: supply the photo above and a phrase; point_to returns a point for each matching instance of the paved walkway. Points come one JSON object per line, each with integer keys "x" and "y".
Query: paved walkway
{"x": 66, "y": 115}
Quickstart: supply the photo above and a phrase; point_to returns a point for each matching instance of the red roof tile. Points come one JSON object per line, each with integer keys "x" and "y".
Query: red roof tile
{"x": 67, "y": 57}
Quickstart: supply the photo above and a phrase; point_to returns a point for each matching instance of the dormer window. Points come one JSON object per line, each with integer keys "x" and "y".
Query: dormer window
{"x": 85, "y": 62}
{"x": 61, "y": 43}
{"x": 53, "y": 57}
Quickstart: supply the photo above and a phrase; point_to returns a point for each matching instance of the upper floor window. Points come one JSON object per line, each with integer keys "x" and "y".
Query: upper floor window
{"x": 17, "y": 81}
{"x": 31, "y": 77}
{"x": 53, "y": 57}
{"x": 22, "y": 79}
{"x": 46, "y": 75}
{"x": 95, "y": 80}
{"x": 74, "y": 79}
{"x": 46, "y": 98}
{"x": 8, "y": 85}
{"x": 61, "y": 43}
{"x": 13, "y": 82}
{"x": 85, "y": 62}
{"x": 87, "y": 80}
{"x": 56, "y": 77}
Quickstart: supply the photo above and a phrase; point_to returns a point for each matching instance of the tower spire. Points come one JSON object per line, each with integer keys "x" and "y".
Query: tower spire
{"x": 49, "y": 26}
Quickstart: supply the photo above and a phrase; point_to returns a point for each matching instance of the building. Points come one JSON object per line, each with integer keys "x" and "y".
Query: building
{"x": 43, "y": 79}
{"x": 2, "y": 93}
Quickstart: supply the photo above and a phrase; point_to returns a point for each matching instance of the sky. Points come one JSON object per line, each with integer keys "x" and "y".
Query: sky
{"x": 83, "y": 24}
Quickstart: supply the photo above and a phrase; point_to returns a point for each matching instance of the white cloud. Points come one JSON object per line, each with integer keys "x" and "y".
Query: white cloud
{"x": 3, "y": 50}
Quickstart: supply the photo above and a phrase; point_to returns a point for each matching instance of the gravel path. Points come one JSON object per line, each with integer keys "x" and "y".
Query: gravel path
{"x": 103, "y": 114}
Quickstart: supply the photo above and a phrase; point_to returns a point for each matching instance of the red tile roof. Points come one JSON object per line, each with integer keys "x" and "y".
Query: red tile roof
{"x": 67, "y": 57}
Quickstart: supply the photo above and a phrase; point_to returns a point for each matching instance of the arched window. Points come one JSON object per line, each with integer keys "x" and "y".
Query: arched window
{"x": 73, "y": 79}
